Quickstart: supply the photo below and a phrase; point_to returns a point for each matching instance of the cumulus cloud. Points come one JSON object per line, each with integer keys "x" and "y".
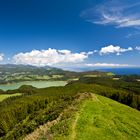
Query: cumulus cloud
{"x": 107, "y": 65}
{"x": 113, "y": 49}
{"x": 117, "y": 13}
{"x": 138, "y": 48}
{"x": 50, "y": 57}
{"x": 1, "y": 56}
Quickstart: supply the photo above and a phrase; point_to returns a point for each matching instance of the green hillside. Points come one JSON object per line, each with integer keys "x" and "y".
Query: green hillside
{"x": 95, "y": 118}
{"x": 76, "y": 111}
{"x": 104, "y": 119}
{"x": 10, "y": 73}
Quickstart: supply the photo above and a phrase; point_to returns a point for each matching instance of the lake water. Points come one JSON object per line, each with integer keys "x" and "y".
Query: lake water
{"x": 38, "y": 84}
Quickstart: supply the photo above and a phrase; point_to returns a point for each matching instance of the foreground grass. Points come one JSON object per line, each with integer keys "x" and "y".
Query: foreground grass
{"x": 101, "y": 118}
{"x": 4, "y": 96}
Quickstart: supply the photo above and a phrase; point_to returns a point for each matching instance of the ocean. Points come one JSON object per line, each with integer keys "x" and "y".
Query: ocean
{"x": 122, "y": 71}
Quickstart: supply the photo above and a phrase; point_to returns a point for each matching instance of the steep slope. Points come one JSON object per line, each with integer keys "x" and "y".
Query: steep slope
{"x": 99, "y": 118}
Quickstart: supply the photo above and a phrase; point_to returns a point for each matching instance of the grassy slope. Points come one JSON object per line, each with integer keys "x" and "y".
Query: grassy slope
{"x": 4, "y": 96}
{"x": 101, "y": 118}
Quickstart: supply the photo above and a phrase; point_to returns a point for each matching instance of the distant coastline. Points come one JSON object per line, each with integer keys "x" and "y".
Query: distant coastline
{"x": 122, "y": 71}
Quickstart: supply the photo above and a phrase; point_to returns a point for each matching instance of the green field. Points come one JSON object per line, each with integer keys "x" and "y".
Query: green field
{"x": 101, "y": 118}
{"x": 110, "y": 74}
{"x": 2, "y": 97}
{"x": 91, "y": 75}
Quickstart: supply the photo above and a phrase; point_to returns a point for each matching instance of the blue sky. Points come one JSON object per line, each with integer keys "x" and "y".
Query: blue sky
{"x": 70, "y": 33}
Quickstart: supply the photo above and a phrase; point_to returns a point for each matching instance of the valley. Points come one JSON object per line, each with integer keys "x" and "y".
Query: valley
{"x": 75, "y": 106}
{"x": 70, "y": 70}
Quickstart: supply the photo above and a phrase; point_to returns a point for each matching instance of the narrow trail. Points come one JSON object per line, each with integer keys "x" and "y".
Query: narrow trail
{"x": 95, "y": 98}
{"x": 73, "y": 135}
{"x": 44, "y": 128}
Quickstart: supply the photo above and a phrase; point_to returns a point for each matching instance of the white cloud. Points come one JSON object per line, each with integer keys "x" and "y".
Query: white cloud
{"x": 1, "y": 56}
{"x": 107, "y": 65}
{"x": 50, "y": 57}
{"x": 138, "y": 48}
{"x": 114, "y": 13}
{"x": 113, "y": 49}
{"x": 95, "y": 51}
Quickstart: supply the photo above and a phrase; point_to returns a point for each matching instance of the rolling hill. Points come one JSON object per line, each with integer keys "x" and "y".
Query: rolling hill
{"x": 76, "y": 111}
{"x": 10, "y": 73}
{"x": 95, "y": 118}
